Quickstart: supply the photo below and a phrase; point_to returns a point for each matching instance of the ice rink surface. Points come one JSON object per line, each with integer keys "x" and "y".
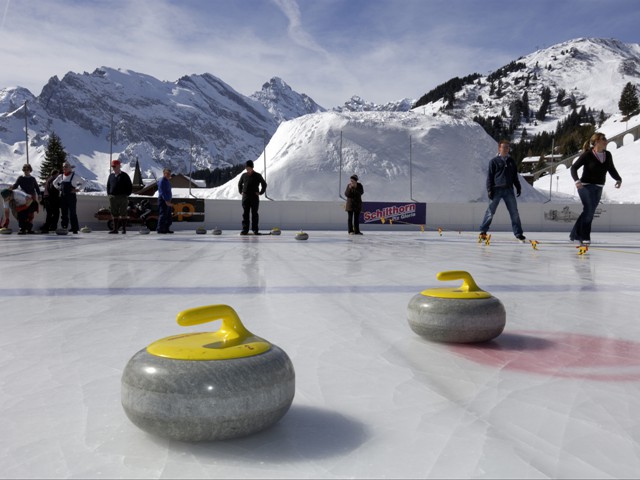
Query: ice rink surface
{"x": 557, "y": 395}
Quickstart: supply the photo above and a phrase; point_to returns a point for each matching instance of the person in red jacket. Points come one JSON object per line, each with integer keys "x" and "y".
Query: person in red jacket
{"x": 595, "y": 162}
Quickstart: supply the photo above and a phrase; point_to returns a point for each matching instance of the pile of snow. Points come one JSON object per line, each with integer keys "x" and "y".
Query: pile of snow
{"x": 446, "y": 159}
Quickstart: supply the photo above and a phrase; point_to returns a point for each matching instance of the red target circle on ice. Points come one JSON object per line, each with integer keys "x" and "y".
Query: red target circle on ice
{"x": 559, "y": 354}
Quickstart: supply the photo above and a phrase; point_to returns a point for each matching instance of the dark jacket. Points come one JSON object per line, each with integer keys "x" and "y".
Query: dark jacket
{"x": 119, "y": 184}
{"x": 502, "y": 173}
{"x": 594, "y": 172}
{"x": 354, "y": 197}
{"x": 251, "y": 184}
{"x": 28, "y": 185}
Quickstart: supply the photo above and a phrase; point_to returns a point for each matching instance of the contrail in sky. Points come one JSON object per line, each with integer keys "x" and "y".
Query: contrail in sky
{"x": 4, "y": 15}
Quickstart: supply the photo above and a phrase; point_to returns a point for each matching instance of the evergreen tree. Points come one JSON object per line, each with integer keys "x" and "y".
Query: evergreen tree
{"x": 628, "y": 103}
{"x": 54, "y": 156}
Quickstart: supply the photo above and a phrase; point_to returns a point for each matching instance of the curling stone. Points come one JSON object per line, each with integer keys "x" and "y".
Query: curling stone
{"x": 457, "y": 315}
{"x": 275, "y": 231}
{"x": 201, "y": 230}
{"x": 216, "y": 231}
{"x": 210, "y": 385}
{"x": 302, "y": 235}
{"x": 85, "y": 229}
{"x": 6, "y": 231}
{"x": 144, "y": 230}
{"x": 61, "y": 231}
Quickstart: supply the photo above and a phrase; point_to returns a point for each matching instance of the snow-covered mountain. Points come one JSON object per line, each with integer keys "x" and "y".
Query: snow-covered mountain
{"x": 283, "y": 102}
{"x": 196, "y": 122}
{"x": 589, "y": 72}
{"x": 201, "y": 122}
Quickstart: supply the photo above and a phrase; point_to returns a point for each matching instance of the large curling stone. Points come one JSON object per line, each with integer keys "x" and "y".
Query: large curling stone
{"x": 302, "y": 235}
{"x": 6, "y": 231}
{"x": 208, "y": 386}
{"x": 457, "y": 315}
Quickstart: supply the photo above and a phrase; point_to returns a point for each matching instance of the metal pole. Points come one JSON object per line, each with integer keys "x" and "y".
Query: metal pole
{"x": 26, "y": 130}
{"x": 190, "y": 157}
{"x": 553, "y": 143}
{"x": 340, "y": 170}
{"x": 264, "y": 157}
{"x": 411, "y": 170}
{"x": 110, "y": 144}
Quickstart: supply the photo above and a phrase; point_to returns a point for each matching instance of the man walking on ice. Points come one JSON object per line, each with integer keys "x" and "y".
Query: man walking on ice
{"x": 502, "y": 177}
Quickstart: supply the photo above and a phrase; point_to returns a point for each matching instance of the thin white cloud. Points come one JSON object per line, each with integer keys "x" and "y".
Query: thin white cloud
{"x": 296, "y": 31}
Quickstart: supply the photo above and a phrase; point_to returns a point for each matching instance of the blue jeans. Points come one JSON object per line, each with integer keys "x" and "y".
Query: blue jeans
{"x": 590, "y": 196}
{"x": 506, "y": 194}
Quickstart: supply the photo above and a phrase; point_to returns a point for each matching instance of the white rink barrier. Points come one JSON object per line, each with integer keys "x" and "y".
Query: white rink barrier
{"x": 297, "y": 215}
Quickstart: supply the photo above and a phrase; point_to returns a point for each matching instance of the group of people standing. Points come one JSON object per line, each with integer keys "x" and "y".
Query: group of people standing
{"x": 24, "y": 197}
{"x": 595, "y": 162}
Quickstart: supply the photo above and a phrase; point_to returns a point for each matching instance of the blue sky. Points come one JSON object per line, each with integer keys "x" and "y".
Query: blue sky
{"x": 381, "y": 50}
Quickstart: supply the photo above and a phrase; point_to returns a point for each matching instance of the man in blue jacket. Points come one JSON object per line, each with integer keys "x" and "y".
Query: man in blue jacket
{"x": 165, "y": 207}
{"x": 502, "y": 177}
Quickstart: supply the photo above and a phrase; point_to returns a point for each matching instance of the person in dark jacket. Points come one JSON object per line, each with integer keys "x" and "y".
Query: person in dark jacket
{"x": 119, "y": 188}
{"x": 51, "y": 202}
{"x": 165, "y": 206}
{"x": 354, "y": 192}
{"x": 68, "y": 183}
{"x": 595, "y": 162}
{"x": 502, "y": 177}
{"x": 251, "y": 186}
{"x": 29, "y": 185}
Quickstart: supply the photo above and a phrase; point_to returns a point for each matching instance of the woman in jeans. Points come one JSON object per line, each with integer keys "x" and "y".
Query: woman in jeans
{"x": 595, "y": 162}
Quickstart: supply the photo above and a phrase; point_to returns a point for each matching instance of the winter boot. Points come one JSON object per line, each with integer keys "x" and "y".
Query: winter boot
{"x": 116, "y": 225}
{"x": 124, "y": 225}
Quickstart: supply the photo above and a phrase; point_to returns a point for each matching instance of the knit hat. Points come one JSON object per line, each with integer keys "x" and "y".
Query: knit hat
{"x": 115, "y": 163}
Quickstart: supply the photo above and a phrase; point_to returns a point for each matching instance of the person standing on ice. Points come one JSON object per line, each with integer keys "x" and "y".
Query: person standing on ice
{"x": 354, "y": 193}
{"x": 118, "y": 188}
{"x": 251, "y": 186}
{"x": 68, "y": 183}
{"x": 595, "y": 162}
{"x": 502, "y": 177}
{"x": 165, "y": 207}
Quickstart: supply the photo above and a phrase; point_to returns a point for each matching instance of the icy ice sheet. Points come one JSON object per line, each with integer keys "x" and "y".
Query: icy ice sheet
{"x": 556, "y": 395}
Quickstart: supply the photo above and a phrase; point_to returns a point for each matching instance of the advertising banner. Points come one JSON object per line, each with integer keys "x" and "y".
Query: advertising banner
{"x": 394, "y": 212}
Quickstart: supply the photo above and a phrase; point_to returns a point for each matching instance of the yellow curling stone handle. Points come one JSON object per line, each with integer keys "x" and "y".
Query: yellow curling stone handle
{"x": 232, "y": 340}
{"x": 468, "y": 290}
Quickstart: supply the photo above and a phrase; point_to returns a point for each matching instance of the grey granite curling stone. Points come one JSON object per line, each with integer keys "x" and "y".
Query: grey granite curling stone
{"x": 216, "y": 231}
{"x": 144, "y": 230}
{"x": 208, "y": 386}
{"x": 201, "y": 230}
{"x": 62, "y": 231}
{"x": 85, "y": 229}
{"x": 6, "y": 231}
{"x": 457, "y": 315}
{"x": 302, "y": 235}
{"x": 275, "y": 231}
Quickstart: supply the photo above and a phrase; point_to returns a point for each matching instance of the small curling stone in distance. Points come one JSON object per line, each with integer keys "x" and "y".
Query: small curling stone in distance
{"x": 302, "y": 235}
{"x": 144, "y": 230}
{"x": 5, "y": 231}
{"x": 62, "y": 231}
{"x": 216, "y": 231}
{"x": 85, "y": 229}
{"x": 465, "y": 314}
{"x": 275, "y": 231}
{"x": 201, "y": 230}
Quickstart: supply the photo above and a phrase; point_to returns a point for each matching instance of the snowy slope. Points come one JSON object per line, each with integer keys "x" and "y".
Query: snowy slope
{"x": 449, "y": 158}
